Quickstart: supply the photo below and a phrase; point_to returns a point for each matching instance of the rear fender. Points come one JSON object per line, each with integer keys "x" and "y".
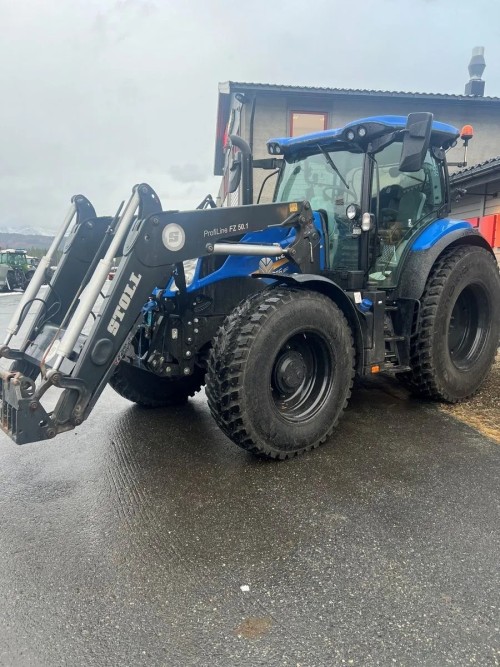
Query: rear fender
{"x": 425, "y": 251}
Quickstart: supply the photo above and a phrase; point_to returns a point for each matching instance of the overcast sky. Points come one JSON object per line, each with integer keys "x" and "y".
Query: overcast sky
{"x": 100, "y": 94}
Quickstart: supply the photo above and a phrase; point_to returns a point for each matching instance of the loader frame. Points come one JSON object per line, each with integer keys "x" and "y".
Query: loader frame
{"x": 153, "y": 245}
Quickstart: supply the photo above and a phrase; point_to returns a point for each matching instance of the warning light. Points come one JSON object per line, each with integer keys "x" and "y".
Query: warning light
{"x": 376, "y": 368}
{"x": 467, "y": 132}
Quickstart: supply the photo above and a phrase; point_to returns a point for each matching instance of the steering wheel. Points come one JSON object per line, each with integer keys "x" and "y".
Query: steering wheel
{"x": 338, "y": 193}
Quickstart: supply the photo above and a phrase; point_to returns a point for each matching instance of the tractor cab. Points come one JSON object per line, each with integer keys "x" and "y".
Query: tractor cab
{"x": 14, "y": 257}
{"x": 375, "y": 183}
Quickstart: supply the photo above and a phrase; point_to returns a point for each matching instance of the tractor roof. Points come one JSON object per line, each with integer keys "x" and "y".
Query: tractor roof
{"x": 443, "y": 135}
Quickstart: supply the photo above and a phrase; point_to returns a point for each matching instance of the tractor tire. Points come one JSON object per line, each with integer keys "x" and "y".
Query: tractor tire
{"x": 151, "y": 391}
{"x": 459, "y": 326}
{"x": 27, "y": 279}
{"x": 280, "y": 372}
{"x": 9, "y": 282}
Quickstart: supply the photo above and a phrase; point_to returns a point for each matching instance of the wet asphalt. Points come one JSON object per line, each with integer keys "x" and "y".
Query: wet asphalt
{"x": 148, "y": 538}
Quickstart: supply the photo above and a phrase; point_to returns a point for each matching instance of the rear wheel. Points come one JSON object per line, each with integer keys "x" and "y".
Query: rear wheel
{"x": 150, "y": 390}
{"x": 27, "y": 278}
{"x": 459, "y": 328}
{"x": 280, "y": 372}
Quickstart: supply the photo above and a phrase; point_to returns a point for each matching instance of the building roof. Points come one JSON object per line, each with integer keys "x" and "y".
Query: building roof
{"x": 475, "y": 170}
{"x": 233, "y": 86}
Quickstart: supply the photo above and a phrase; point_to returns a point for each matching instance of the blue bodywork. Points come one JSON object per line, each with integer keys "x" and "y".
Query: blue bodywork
{"x": 435, "y": 232}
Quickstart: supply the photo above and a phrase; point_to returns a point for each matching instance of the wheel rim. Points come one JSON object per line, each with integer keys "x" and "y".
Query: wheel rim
{"x": 469, "y": 326}
{"x": 301, "y": 377}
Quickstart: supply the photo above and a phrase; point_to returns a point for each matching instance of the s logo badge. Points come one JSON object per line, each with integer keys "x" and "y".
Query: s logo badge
{"x": 173, "y": 237}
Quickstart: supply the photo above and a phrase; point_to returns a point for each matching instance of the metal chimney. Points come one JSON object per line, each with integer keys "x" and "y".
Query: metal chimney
{"x": 475, "y": 86}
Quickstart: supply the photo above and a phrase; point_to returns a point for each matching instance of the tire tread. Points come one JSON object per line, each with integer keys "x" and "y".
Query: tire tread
{"x": 423, "y": 379}
{"x": 228, "y": 354}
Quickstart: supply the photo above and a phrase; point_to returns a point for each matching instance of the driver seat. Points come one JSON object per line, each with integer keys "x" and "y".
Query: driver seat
{"x": 410, "y": 209}
{"x": 411, "y": 206}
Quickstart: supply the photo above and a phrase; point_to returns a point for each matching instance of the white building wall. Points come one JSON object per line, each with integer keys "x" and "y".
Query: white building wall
{"x": 272, "y": 118}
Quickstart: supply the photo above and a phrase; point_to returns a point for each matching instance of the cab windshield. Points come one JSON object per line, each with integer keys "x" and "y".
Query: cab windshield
{"x": 330, "y": 181}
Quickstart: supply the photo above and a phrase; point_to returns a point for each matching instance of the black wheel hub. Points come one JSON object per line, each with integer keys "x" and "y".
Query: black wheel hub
{"x": 302, "y": 376}
{"x": 290, "y": 372}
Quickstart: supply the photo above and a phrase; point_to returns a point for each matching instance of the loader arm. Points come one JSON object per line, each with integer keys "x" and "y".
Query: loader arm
{"x": 155, "y": 243}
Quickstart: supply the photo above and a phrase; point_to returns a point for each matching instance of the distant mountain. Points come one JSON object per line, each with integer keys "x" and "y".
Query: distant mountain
{"x": 11, "y": 239}
{"x": 28, "y": 231}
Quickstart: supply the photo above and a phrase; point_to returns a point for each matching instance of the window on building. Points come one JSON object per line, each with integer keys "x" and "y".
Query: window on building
{"x": 304, "y": 122}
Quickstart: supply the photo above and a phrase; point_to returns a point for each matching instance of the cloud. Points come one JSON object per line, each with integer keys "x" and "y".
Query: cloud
{"x": 118, "y": 21}
{"x": 187, "y": 173}
{"x": 101, "y": 94}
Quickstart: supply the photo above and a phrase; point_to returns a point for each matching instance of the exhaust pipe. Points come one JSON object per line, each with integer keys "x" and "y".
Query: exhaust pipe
{"x": 246, "y": 169}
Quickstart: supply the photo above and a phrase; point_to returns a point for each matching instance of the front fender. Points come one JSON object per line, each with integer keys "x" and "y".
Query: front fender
{"x": 324, "y": 285}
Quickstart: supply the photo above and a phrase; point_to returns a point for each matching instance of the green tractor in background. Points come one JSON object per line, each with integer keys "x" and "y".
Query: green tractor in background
{"x": 16, "y": 269}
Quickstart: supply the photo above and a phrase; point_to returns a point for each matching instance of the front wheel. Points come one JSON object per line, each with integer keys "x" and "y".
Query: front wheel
{"x": 9, "y": 282}
{"x": 459, "y": 326}
{"x": 280, "y": 372}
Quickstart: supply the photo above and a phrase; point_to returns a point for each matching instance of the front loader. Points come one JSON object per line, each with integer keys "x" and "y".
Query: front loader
{"x": 353, "y": 270}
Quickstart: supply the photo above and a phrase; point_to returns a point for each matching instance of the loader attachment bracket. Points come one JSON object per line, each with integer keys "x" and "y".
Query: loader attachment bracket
{"x": 22, "y": 417}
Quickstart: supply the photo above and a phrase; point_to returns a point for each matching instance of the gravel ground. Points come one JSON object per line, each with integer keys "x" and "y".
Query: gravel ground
{"x": 483, "y": 410}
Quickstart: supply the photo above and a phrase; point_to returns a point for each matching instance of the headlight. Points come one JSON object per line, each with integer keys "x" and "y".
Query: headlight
{"x": 352, "y": 211}
{"x": 350, "y": 135}
{"x": 361, "y": 131}
{"x": 366, "y": 222}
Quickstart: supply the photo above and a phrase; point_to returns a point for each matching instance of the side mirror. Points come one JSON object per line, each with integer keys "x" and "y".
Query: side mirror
{"x": 416, "y": 141}
{"x": 234, "y": 175}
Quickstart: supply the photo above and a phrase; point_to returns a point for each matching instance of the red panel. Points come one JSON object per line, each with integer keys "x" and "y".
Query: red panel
{"x": 487, "y": 227}
{"x": 496, "y": 238}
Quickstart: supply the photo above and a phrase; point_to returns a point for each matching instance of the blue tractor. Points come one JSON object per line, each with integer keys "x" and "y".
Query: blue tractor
{"x": 354, "y": 269}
